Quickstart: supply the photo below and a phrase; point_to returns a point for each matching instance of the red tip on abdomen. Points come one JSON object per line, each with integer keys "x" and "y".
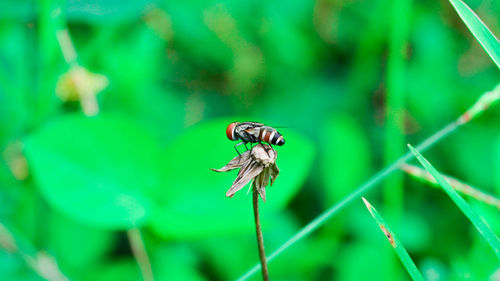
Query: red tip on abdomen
{"x": 230, "y": 131}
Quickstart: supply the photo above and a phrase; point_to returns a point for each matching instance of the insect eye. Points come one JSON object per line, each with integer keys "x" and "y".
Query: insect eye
{"x": 230, "y": 131}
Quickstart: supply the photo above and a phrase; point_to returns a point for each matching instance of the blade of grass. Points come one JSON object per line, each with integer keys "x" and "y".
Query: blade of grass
{"x": 424, "y": 176}
{"x": 481, "y": 226}
{"x": 395, "y": 243}
{"x": 480, "y": 31}
{"x": 483, "y": 103}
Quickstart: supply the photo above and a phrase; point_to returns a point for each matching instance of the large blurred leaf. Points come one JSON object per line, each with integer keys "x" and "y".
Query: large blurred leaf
{"x": 95, "y": 170}
{"x": 194, "y": 203}
{"x": 479, "y": 30}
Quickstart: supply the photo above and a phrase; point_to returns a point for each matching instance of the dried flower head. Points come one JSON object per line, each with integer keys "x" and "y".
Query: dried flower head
{"x": 257, "y": 164}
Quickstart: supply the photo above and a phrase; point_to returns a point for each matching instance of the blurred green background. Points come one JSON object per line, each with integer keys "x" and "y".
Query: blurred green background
{"x": 112, "y": 113}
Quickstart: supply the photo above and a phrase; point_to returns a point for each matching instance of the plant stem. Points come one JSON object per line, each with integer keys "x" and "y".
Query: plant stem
{"x": 260, "y": 238}
{"x": 140, "y": 254}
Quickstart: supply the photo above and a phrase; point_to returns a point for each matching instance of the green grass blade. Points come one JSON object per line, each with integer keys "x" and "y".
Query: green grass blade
{"x": 395, "y": 243}
{"x": 481, "y": 226}
{"x": 483, "y": 35}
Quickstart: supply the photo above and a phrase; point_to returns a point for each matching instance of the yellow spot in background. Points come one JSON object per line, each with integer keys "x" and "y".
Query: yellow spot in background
{"x": 15, "y": 160}
{"x": 79, "y": 84}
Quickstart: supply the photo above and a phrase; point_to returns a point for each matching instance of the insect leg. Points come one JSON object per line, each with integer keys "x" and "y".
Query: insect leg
{"x": 238, "y": 144}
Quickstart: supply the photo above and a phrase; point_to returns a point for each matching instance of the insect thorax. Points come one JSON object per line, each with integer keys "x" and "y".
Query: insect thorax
{"x": 247, "y": 132}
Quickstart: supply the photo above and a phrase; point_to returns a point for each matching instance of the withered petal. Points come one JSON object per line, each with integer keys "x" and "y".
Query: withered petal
{"x": 235, "y": 163}
{"x": 274, "y": 173}
{"x": 262, "y": 193}
{"x": 246, "y": 174}
{"x": 244, "y": 170}
{"x": 261, "y": 182}
{"x": 262, "y": 179}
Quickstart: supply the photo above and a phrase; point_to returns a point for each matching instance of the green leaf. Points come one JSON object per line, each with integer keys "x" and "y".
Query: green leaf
{"x": 395, "y": 243}
{"x": 194, "y": 204}
{"x": 480, "y": 225}
{"x": 96, "y": 170}
{"x": 483, "y": 35}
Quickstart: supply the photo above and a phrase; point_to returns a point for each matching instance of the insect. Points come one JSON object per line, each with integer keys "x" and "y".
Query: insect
{"x": 253, "y": 132}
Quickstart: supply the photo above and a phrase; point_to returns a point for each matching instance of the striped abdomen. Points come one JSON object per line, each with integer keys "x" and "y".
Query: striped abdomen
{"x": 271, "y": 136}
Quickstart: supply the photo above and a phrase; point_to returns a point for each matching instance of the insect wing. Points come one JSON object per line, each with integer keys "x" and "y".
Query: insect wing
{"x": 254, "y": 131}
{"x": 251, "y": 124}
